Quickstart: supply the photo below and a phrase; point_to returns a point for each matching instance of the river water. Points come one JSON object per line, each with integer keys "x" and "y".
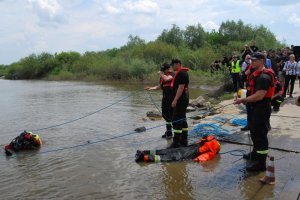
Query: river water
{"x": 89, "y": 146}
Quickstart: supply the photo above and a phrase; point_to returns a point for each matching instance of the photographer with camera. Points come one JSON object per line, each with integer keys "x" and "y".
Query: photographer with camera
{"x": 247, "y": 50}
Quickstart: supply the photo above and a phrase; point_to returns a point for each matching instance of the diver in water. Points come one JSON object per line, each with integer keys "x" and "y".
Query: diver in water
{"x": 204, "y": 150}
{"x": 25, "y": 141}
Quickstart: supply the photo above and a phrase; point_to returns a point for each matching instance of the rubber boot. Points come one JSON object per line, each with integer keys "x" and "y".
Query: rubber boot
{"x": 250, "y": 156}
{"x": 259, "y": 164}
{"x": 176, "y": 141}
{"x": 168, "y": 134}
{"x": 184, "y": 139}
{"x": 245, "y": 128}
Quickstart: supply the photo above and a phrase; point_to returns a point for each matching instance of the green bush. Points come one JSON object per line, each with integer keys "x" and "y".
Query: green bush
{"x": 159, "y": 52}
{"x": 140, "y": 60}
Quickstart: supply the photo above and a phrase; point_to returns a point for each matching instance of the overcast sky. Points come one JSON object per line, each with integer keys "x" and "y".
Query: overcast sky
{"x": 35, "y": 26}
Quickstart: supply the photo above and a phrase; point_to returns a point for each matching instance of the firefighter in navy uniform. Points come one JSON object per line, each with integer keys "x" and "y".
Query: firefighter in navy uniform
{"x": 261, "y": 88}
{"x": 166, "y": 77}
{"x": 179, "y": 86}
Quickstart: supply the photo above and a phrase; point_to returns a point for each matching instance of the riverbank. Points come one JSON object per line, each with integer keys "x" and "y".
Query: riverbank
{"x": 284, "y": 139}
{"x": 92, "y": 157}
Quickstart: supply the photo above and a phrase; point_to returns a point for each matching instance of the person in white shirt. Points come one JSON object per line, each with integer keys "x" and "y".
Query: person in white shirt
{"x": 291, "y": 72}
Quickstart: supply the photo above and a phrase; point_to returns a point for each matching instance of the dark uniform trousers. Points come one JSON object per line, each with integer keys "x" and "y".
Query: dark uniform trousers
{"x": 259, "y": 125}
{"x": 167, "y": 112}
{"x": 179, "y": 122}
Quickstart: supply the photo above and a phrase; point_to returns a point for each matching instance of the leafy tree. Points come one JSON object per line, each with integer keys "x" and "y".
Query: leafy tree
{"x": 174, "y": 36}
{"x": 137, "y": 59}
{"x": 194, "y": 36}
{"x": 236, "y": 31}
{"x": 29, "y": 67}
{"x": 134, "y": 41}
{"x": 112, "y": 52}
{"x": 215, "y": 38}
{"x": 265, "y": 38}
{"x": 3, "y": 70}
{"x": 67, "y": 57}
{"x": 159, "y": 52}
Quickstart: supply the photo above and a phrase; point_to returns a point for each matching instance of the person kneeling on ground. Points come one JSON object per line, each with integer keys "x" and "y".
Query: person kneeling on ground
{"x": 204, "y": 150}
{"x": 25, "y": 141}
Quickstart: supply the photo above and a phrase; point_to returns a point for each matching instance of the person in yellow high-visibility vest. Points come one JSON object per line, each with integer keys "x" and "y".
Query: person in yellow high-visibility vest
{"x": 235, "y": 73}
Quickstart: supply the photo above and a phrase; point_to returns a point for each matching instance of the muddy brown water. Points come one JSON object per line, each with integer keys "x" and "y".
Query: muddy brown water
{"x": 93, "y": 158}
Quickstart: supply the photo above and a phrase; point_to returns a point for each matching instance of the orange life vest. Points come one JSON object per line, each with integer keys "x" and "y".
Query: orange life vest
{"x": 254, "y": 75}
{"x": 209, "y": 149}
{"x": 177, "y": 72}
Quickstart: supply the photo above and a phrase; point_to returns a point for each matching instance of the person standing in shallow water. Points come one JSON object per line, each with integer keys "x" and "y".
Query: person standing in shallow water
{"x": 166, "y": 77}
{"x": 179, "y": 87}
{"x": 261, "y": 87}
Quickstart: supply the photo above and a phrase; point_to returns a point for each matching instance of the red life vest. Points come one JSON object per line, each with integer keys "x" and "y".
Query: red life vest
{"x": 177, "y": 72}
{"x": 249, "y": 68}
{"x": 166, "y": 83}
{"x": 254, "y": 75}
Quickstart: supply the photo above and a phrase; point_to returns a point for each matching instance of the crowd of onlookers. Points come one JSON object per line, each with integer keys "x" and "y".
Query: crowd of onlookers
{"x": 285, "y": 63}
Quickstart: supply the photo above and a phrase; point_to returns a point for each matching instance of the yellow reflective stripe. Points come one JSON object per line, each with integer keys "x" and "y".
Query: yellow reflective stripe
{"x": 156, "y": 158}
{"x": 278, "y": 101}
{"x": 262, "y": 152}
{"x": 185, "y": 129}
{"x": 177, "y": 131}
{"x": 168, "y": 123}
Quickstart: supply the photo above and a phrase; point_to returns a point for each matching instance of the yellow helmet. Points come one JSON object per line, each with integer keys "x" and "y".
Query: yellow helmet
{"x": 37, "y": 138}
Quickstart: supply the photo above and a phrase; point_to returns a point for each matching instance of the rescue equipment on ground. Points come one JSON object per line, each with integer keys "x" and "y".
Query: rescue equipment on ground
{"x": 25, "y": 141}
{"x": 202, "y": 130}
{"x": 239, "y": 121}
{"x": 205, "y": 149}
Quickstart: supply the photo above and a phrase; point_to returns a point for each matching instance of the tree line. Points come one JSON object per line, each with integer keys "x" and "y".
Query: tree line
{"x": 138, "y": 59}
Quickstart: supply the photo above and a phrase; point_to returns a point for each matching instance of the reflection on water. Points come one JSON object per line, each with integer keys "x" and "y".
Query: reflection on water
{"x": 93, "y": 158}
{"x": 176, "y": 181}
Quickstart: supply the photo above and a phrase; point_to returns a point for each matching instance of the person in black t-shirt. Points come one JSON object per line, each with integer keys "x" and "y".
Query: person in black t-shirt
{"x": 261, "y": 90}
{"x": 180, "y": 102}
